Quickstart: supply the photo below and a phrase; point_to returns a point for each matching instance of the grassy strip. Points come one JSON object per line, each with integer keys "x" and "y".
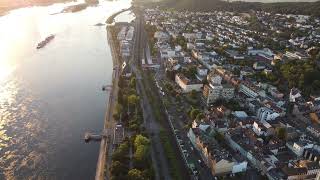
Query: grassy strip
{"x": 174, "y": 170}
{"x": 152, "y": 94}
{"x": 157, "y": 108}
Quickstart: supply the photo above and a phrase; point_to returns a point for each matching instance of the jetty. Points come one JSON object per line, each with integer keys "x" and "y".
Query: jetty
{"x": 95, "y": 137}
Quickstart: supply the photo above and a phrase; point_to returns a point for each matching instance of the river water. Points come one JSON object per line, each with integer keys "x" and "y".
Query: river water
{"x": 50, "y": 97}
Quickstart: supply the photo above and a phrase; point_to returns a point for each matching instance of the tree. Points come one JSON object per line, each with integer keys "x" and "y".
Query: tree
{"x": 316, "y": 84}
{"x": 117, "y": 168}
{"x": 121, "y": 82}
{"x": 120, "y": 154}
{"x": 193, "y": 94}
{"x": 205, "y": 81}
{"x": 168, "y": 86}
{"x": 141, "y": 153}
{"x": 141, "y": 145}
{"x": 281, "y": 133}
{"x": 194, "y": 112}
{"x": 118, "y": 112}
{"x": 219, "y": 137}
{"x": 233, "y": 105}
{"x": 133, "y": 82}
{"x": 134, "y": 127}
{"x": 190, "y": 71}
{"x": 133, "y": 99}
{"x": 141, "y": 140}
{"x": 135, "y": 174}
{"x": 200, "y": 116}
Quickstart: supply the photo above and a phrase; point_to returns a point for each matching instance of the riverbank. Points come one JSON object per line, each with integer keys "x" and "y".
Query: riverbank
{"x": 110, "y": 20}
{"x": 109, "y": 123}
{"x": 5, "y": 7}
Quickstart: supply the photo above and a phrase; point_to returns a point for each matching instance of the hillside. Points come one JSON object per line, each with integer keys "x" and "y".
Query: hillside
{"x": 306, "y": 8}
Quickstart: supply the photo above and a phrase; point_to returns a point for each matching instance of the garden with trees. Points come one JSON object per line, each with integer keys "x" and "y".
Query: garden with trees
{"x": 304, "y": 75}
{"x": 131, "y": 159}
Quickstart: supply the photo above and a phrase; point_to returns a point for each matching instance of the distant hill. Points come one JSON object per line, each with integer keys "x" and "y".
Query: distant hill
{"x": 305, "y": 8}
{"x": 275, "y": 1}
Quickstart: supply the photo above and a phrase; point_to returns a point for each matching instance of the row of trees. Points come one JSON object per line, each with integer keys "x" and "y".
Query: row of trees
{"x": 141, "y": 169}
{"x": 127, "y": 164}
{"x": 120, "y": 161}
{"x": 128, "y": 110}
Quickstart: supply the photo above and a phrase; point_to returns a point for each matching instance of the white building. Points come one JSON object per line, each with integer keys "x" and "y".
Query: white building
{"x": 201, "y": 72}
{"x": 299, "y": 147}
{"x": 294, "y": 94}
{"x": 258, "y": 66}
{"x": 240, "y": 114}
{"x": 161, "y": 36}
{"x": 314, "y": 130}
{"x": 239, "y": 167}
{"x": 251, "y": 90}
{"x": 186, "y": 84}
{"x": 213, "y": 92}
{"x": 265, "y": 52}
{"x": 167, "y": 53}
{"x": 266, "y": 114}
{"x": 190, "y": 46}
{"x": 262, "y": 128}
{"x": 295, "y": 55}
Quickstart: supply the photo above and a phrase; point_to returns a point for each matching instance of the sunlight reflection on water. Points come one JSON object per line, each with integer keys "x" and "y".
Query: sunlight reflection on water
{"x": 50, "y": 97}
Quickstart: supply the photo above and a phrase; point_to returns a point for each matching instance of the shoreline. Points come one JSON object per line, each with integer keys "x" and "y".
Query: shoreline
{"x": 110, "y": 19}
{"x": 109, "y": 123}
{"x": 6, "y": 9}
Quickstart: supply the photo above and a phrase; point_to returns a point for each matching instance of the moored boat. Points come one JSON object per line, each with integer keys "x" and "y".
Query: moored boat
{"x": 45, "y": 41}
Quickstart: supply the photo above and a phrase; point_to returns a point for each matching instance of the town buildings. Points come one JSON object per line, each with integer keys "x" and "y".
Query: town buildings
{"x": 221, "y": 55}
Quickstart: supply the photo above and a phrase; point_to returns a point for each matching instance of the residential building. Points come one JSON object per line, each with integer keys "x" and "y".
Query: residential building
{"x": 266, "y": 114}
{"x": 251, "y": 90}
{"x": 216, "y": 158}
{"x": 314, "y": 130}
{"x": 186, "y": 84}
{"x": 215, "y": 90}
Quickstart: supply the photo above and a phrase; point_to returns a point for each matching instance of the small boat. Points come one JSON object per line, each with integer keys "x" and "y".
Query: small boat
{"x": 45, "y": 41}
{"x": 99, "y": 24}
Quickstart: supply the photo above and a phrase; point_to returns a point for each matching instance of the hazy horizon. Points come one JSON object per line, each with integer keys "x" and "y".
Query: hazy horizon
{"x": 274, "y": 1}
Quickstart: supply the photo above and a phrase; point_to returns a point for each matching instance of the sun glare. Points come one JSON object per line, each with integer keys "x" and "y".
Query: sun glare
{"x": 5, "y": 70}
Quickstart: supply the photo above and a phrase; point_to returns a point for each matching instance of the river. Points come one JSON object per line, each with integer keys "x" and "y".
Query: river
{"x": 50, "y": 97}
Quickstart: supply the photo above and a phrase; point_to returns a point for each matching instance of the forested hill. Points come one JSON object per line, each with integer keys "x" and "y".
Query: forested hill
{"x": 306, "y": 8}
